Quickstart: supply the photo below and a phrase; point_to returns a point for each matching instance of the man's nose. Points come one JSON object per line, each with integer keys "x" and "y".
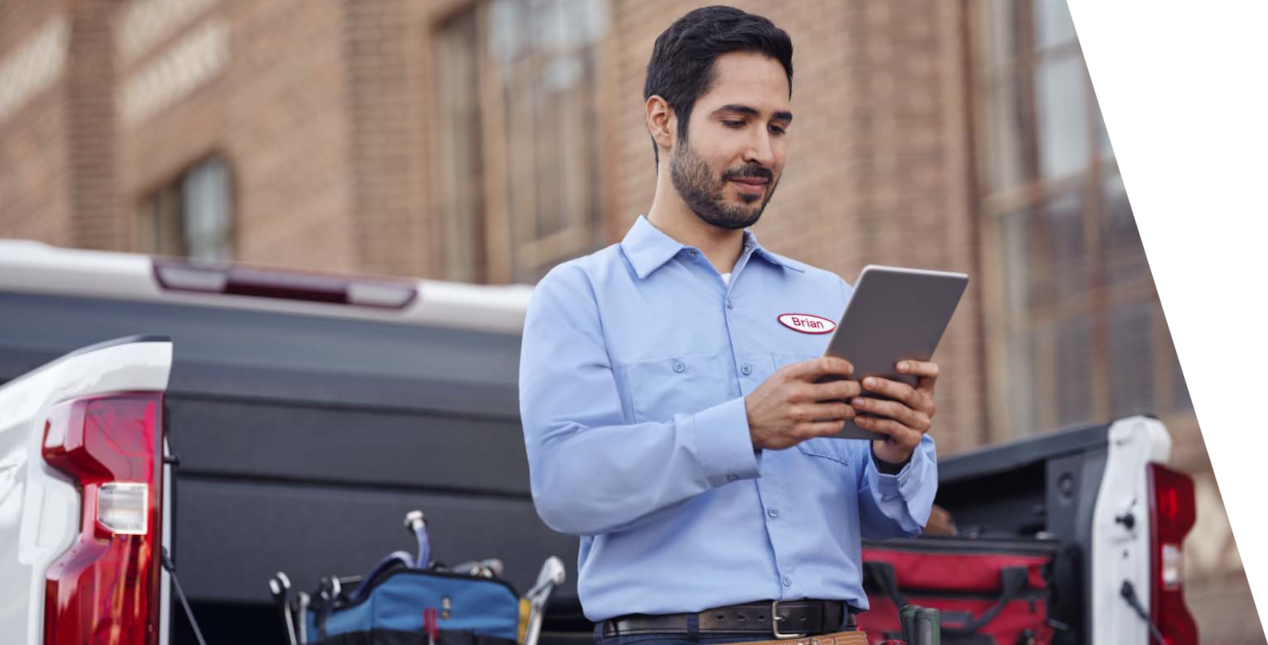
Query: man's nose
{"x": 760, "y": 150}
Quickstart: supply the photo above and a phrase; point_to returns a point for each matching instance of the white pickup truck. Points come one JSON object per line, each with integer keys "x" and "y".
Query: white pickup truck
{"x": 309, "y": 413}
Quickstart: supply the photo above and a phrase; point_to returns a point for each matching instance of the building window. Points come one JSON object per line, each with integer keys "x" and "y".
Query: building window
{"x": 1076, "y": 333}
{"x": 518, "y": 173}
{"x": 190, "y": 217}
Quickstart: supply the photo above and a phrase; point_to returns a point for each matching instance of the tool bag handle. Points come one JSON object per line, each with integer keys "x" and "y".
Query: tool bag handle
{"x": 1013, "y": 581}
{"x": 882, "y": 575}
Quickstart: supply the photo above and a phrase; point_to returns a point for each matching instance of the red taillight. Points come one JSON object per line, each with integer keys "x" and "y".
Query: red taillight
{"x": 105, "y": 588}
{"x": 1172, "y": 513}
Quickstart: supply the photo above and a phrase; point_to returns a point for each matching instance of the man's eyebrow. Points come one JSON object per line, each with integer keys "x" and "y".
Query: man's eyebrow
{"x": 749, "y": 111}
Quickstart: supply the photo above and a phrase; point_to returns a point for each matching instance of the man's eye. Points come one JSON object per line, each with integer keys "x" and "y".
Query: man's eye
{"x": 777, "y": 130}
{"x": 733, "y": 124}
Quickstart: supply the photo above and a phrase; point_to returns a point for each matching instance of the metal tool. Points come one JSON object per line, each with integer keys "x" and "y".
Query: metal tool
{"x": 330, "y": 590}
{"x": 416, "y": 523}
{"x": 552, "y": 575}
{"x": 324, "y": 608}
{"x": 280, "y": 586}
{"x": 336, "y": 590}
{"x": 489, "y": 568}
{"x": 303, "y": 600}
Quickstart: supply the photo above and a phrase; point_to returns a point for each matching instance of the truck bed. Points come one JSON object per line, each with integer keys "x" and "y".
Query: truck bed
{"x": 304, "y": 440}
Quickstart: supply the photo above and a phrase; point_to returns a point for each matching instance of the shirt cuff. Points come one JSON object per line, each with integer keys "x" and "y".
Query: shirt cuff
{"x": 907, "y": 482}
{"x": 724, "y": 444}
{"x": 888, "y": 467}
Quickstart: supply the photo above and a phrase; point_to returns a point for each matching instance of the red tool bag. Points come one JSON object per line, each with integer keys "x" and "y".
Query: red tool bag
{"x": 990, "y": 592}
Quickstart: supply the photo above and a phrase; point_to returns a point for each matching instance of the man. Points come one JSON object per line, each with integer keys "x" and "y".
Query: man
{"x": 674, "y": 423}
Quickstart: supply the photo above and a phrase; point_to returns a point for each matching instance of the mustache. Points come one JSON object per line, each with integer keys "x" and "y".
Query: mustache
{"x": 750, "y": 171}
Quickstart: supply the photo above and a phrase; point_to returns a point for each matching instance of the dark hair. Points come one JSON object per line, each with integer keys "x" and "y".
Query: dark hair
{"x": 682, "y": 65}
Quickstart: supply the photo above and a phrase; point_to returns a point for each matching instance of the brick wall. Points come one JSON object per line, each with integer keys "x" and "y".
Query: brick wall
{"x": 386, "y": 47}
{"x": 150, "y": 87}
{"x": 35, "y": 202}
{"x": 95, "y": 218}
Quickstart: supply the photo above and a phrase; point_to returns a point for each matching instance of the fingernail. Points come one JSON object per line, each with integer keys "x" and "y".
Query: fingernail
{"x": 904, "y": 366}
{"x": 859, "y": 402}
{"x": 869, "y": 382}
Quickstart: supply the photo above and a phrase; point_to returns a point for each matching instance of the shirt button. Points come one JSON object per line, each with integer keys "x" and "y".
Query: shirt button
{"x": 746, "y": 370}
{"x": 772, "y": 512}
{"x": 729, "y": 304}
{"x": 679, "y": 367}
{"x": 787, "y": 581}
{"x": 694, "y": 254}
{"x": 731, "y": 478}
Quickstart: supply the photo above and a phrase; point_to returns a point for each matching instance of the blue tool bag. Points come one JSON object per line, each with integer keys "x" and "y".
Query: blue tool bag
{"x": 413, "y": 600}
{"x": 470, "y": 611}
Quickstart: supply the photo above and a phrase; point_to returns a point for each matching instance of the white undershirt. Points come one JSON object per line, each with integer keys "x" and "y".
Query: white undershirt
{"x": 726, "y": 278}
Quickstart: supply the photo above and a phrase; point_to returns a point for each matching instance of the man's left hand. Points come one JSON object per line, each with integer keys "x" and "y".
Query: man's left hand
{"x": 906, "y": 418}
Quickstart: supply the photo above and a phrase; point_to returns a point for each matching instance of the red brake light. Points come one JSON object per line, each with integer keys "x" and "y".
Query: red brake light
{"x": 1173, "y": 512}
{"x": 105, "y": 588}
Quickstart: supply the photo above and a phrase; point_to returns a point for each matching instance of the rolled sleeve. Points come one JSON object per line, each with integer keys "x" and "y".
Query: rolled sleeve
{"x": 903, "y": 501}
{"x": 906, "y": 483}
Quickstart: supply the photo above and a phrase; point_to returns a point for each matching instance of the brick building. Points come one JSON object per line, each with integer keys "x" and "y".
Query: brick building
{"x": 487, "y": 140}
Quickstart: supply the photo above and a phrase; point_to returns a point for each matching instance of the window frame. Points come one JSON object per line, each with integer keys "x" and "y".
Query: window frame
{"x": 504, "y": 248}
{"x": 1096, "y": 298}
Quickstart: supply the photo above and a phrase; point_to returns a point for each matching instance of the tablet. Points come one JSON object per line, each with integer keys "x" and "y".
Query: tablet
{"x": 893, "y": 314}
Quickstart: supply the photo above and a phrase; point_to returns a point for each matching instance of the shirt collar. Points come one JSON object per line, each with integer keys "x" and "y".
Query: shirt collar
{"x": 648, "y": 249}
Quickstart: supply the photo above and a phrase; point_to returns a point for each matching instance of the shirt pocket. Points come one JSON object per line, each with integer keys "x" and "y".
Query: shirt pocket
{"x": 781, "y": 360}
{"x": 834, "y": 450}
{"x": 661, "y": 388}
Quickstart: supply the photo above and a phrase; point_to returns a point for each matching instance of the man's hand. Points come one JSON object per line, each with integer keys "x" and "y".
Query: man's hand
{"x": 906, "y": 418}
{"x": 790, "y": 407}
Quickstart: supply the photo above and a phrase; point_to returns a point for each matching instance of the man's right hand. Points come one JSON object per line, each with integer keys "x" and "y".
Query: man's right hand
{"x": 790, "y": 407}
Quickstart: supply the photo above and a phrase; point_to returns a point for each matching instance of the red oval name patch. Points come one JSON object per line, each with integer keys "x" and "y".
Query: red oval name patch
{"x": 807, "y": 324}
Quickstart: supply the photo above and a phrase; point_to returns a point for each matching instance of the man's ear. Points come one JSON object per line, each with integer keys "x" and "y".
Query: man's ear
{"x": 662, "y": 123}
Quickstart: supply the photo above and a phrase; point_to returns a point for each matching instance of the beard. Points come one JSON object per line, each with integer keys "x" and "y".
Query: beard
{"x": 705, "y": 194}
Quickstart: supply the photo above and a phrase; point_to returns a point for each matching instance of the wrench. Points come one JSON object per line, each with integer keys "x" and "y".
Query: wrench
{"x": 280, "y": 586}
{"x": 552, "y": 575}
{"x": 304, "y": 601}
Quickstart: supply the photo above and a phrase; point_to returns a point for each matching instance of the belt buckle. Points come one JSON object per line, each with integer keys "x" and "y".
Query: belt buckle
{"x": 774, "y": 623}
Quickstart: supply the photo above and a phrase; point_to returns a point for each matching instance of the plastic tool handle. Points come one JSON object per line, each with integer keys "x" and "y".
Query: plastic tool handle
{"x": 929, "y": 626}
{"x": 907, "y": 619}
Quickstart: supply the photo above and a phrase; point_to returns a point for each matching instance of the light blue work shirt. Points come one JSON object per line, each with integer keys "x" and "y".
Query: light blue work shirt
{"x": 635, "y": 364}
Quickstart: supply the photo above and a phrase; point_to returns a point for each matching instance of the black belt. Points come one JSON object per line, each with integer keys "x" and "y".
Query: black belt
{"x": 795, "y": 618}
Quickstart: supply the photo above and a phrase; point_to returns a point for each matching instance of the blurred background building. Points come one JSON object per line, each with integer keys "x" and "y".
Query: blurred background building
{"x": 488, "y": 140}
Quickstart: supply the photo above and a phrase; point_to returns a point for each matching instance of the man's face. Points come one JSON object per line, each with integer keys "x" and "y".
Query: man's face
{"x": 727, "y": 169}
